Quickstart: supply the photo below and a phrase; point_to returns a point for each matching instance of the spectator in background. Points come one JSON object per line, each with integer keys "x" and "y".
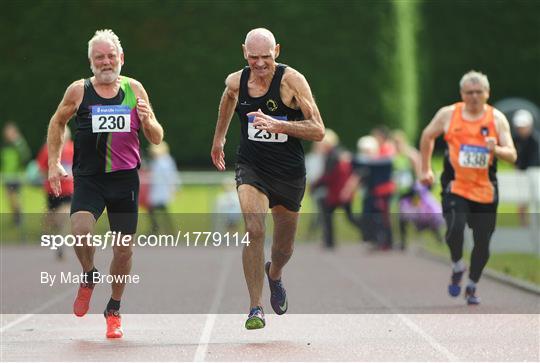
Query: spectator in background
{"x": 375, "y": 174}
{"x": 144, "y": 186}
{"x": 314, "y": 162}
{"x": 227, "y": 212}
{"x": 337, "y": 171}
{"x": 314, "y": 169}
{"x": 406, "y": 168}
{"x": 387, "y": 148}
{"x": 417, "y": 205}
{"x": 14, "y": 156}
{"x": 164, "y": 181}
{"x": 57, "y": 218}
{"x": 527, "y": 141}
{"x": 406, "y": 162}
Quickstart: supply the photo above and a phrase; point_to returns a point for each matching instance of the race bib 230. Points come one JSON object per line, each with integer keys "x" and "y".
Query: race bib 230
{"x": 115, "y": 118}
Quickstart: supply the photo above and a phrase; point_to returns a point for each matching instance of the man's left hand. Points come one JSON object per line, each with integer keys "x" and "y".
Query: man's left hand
{"x": 491, "y": 142}
{"x": 143, "y": 109}
{"x": 267, "y": 123}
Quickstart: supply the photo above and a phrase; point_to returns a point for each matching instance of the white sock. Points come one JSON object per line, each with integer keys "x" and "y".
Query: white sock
{"x": 471, "y": 283}
{"x": 458, "y": 266}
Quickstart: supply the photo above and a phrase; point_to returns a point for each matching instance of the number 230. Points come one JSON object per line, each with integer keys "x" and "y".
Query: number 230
{"x": 114, "y": 122}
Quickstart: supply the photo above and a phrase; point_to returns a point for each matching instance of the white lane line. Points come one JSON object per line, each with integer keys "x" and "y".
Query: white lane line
{"x": 202, "y": 348}
{"x": 42, "y": 308}
{"x": 386, "y": 303}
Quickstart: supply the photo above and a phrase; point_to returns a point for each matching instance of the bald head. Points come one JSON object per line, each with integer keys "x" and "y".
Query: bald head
{"x": 260, "y": 36}
{"x": 261, "y": 51}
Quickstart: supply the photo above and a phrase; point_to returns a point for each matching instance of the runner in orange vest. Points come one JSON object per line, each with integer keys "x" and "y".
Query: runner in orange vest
{"x": 476, "y": 135}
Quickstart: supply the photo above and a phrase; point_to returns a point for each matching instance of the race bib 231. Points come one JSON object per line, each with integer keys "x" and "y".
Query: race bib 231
{"x": 255, "y": 134}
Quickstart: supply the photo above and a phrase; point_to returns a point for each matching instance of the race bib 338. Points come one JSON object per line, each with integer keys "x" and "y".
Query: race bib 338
{"x": 472, "y": 156}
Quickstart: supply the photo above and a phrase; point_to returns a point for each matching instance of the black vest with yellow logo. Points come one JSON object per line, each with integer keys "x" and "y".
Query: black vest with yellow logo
{"x": 276, "y": 155}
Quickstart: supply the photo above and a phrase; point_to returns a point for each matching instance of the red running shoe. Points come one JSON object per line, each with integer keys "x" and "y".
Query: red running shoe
{"x": 82, "y": 302}
{"x": 114, "y": 324}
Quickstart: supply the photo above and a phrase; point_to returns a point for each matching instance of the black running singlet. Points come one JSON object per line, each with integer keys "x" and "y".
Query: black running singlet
{"x": 277, "y": 155}
{"x": 106, "y": 136}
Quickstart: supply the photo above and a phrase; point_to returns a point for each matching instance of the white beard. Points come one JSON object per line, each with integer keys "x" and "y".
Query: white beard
{"x": 107, "y": 78}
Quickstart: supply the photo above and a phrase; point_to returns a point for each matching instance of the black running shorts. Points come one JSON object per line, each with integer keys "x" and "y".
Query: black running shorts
{"x": 117, "y": 191}
{"x": 288, "y": 193}
{"x": 458, "y": 210}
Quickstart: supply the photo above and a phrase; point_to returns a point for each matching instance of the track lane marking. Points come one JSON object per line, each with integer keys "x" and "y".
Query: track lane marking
{"x": 42, "y": 308}
{"x": 202, "y": 348}
{"x": 408, "y": 322}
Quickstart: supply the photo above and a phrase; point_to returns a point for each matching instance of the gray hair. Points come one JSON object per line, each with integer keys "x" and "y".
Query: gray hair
{"x": 106, "y": 35}
{"x": 367, "y": 145}
{"x": 261, "y": 33}
{"x": 474, "y": 77}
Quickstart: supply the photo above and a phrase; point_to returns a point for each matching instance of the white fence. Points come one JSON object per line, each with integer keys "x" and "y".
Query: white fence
{"x": 515, "y": 187}
{"x": 521, "y": 187}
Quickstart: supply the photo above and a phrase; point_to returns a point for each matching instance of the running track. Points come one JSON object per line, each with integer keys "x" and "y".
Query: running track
{"x": 191, "y": 304}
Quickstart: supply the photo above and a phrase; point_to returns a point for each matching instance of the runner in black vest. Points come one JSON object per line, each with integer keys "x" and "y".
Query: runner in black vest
{"x": 276, "y": 109}
{"x": 110, "y": 111}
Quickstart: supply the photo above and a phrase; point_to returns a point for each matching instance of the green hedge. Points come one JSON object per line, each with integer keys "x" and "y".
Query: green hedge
{"x": 182, "y": 51}
{"x": 499, "y": 38}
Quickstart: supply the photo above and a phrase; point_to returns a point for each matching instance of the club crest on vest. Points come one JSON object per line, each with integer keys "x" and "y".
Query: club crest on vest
{"x": 271, "y": 105}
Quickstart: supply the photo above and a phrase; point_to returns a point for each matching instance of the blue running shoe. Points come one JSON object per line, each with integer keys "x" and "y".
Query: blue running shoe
{"x": 454, "y": 289}
{"x": 470, "y": 296}
{"x": 278, "y": 295}
{"x": 255, "y": 319}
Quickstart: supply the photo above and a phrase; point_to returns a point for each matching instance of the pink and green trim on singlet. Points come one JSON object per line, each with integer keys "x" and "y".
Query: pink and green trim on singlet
{"x": 123, "y": 147}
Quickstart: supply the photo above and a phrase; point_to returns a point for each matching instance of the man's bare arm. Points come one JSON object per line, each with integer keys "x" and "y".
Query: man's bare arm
{"x": 225, "y": 113}
{"x": 416, "y": 161}
{"x": 57, "y": 127}
{"x": 312, "y": 128}
{"x": 152, "y": 129}
{"x": 435, "y": 128}
{"x": 505, "y": 150}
